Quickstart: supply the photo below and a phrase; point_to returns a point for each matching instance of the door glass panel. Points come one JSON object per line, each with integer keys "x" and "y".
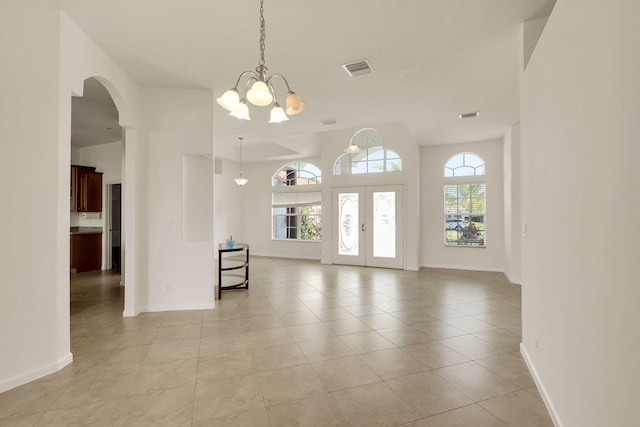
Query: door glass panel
{"x": 384, "y": 224}
{"x": 348, "y": 223}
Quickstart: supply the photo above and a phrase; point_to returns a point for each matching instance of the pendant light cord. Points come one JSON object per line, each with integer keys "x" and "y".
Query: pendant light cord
{"x": 263, "y": 34}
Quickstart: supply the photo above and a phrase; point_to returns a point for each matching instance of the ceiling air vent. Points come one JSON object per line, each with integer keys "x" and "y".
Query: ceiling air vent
{"x": 358, "y": 68}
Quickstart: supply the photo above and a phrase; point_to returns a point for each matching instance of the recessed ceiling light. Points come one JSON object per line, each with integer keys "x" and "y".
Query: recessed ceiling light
{"x": 469, "y": 115}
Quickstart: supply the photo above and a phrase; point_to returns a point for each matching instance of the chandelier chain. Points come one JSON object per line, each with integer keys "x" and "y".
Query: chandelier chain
{"x": 263, "y": 33}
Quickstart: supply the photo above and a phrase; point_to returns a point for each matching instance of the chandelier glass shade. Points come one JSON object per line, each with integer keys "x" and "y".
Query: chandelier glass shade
{"x": 261, "y": 91}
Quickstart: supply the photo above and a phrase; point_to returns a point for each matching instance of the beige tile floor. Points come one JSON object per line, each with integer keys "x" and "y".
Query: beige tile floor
{"x": 307, "y": 345}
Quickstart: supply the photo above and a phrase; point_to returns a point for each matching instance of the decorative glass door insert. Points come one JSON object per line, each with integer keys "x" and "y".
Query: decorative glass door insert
{"x": 349, "y": 221}
{"x": 384, "y": 224}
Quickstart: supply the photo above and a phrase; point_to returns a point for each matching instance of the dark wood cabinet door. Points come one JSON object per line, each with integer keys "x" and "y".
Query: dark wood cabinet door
{"x": 86, "y": 189}
{"x": 74, "y": 188}
{"x": 86, "y": 252}
{"x": 90, "y": 192}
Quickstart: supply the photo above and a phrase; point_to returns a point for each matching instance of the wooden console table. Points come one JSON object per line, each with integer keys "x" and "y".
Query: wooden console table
{"x": 236, "y": 279}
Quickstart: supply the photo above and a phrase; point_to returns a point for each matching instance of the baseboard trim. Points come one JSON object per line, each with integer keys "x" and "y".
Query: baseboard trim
{"x": 151, "y": 309}
{"x": 543, "y": 392}
{"x": 287, "y": 257}
{"x": 36, "y": 373}
{"x": 130, "y": 313}
{"x": 462, "y": 267}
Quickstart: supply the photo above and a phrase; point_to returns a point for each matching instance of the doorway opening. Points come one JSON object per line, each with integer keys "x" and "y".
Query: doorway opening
{"x": 97, "y": 144}
{"x": 114, "y": 226}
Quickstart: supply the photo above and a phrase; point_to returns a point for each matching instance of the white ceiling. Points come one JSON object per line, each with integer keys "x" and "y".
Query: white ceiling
{"x": 433, "y": 59}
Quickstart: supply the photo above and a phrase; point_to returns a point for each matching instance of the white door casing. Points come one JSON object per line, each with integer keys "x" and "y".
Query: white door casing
{"x": 369, "y": 226}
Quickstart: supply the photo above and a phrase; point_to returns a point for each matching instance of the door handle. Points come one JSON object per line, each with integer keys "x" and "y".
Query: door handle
{"x": 362, "y": 228}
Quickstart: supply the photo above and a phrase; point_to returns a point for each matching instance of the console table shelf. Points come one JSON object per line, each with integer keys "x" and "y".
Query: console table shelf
{"x": 233, "y": 260}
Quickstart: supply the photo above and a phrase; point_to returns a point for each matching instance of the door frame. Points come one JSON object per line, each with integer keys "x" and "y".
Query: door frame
{"x": 365, "y": 227}
{"x": 108, "y": 232}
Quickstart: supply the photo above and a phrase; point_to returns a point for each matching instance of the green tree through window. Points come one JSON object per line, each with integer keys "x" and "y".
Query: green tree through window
{"x": 465, "y": 202}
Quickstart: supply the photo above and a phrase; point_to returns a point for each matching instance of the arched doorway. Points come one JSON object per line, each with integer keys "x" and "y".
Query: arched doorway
{"x": 97, "y": 161}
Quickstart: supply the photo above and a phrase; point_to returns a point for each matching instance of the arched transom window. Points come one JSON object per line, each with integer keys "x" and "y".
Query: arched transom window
{"x": 297, "y": 173}
{"x": 372, "y": 158}
{"x": 464, "y": 164}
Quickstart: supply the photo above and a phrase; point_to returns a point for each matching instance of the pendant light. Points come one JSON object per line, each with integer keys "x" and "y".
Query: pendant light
{"x": 353, "y": 147}
{"x": 262, "y": 92}
{"x": 240, "y": 180}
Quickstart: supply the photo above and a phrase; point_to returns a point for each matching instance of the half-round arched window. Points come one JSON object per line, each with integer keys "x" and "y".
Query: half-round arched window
{"x": 372, "y": 157}
{"x": 464, "y": 164}
{"x": 297, "y": 173}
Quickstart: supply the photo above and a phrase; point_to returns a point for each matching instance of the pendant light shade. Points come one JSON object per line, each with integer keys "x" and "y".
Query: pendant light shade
{"x": 262, "y": 91}
{"x": 353, "y": 148}
{"x": 295, "y": 104}
{"x": 259, "y": 94}
{"x": 241, "y": 111}
{"x": 229, "y": 100}
{"x": 241, "y": 181}
{"x": 277, "y": 114}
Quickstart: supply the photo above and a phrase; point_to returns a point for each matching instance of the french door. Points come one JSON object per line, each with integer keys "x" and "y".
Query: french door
{"x": 368, "y": 227}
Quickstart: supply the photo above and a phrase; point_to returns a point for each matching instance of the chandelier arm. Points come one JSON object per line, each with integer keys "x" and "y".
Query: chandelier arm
{"x": 273, "y": 91}
{"x": 283, "y": 78}
{"x": 244, "y": 73}
{"x": 250, "y": 80}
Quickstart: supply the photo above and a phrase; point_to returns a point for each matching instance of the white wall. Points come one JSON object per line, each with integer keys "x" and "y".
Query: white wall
{"x": 580, "y": 267}
{"x": 228, "y": 204}
{"x": 434, "y": 252}
{"x": 512, "y": 202}
{"x": 180, "y": 272}
{"x": 30, "y": 326}
{"x": 106, "y": 158}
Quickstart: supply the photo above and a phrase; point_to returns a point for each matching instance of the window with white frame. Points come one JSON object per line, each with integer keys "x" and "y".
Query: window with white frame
{"x": 372, "y": 157}
{"x": 296, "y": 207}
{"x": 464, "y": 164}
{"x": 465, "y": 201}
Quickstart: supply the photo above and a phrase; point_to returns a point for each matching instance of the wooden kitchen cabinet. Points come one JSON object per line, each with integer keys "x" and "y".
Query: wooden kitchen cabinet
{"x": 86, "y": 252}
{"x": 86, "y": 189}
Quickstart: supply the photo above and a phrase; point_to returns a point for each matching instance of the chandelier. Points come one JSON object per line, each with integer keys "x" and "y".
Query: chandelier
{"x": 262, "y": 92}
